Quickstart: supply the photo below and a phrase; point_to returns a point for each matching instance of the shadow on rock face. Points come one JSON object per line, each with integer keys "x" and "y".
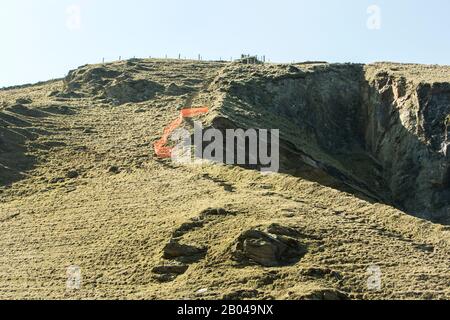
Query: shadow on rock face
{"x": 371, "y": 133}
{"x": 183, "y": 252}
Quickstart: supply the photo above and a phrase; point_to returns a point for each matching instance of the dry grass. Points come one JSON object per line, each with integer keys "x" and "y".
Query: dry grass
{"x": 115, "y": 226}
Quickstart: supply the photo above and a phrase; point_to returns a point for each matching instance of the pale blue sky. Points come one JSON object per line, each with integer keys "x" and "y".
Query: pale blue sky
{"x": 41, "y": 39}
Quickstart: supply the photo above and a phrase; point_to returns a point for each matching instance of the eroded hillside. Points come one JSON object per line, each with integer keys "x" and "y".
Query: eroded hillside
{"x": 364, "y": 148}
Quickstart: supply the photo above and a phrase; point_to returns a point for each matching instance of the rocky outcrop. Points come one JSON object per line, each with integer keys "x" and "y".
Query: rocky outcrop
{"x": 174, "y": 249}
{"x": 274, "y": 247}
{"x": 376, "y": 131}
{"x": 405, "y": 129}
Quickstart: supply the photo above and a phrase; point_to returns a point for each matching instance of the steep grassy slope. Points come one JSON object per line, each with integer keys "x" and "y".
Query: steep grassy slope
{"x": 86, "y": 189}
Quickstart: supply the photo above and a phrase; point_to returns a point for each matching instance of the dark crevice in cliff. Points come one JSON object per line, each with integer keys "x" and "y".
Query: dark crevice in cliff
{"x": 376, "y": 137}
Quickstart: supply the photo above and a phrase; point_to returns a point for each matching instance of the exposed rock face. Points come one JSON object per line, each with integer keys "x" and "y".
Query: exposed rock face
{"x": 270, "y": 248}
{"x": 170, "y": 268}
{"x": 318, "y": 113}
{"x": 176, "y": 250}
{"x": 368, "y": 130}
{"x": 405, "y": 130}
